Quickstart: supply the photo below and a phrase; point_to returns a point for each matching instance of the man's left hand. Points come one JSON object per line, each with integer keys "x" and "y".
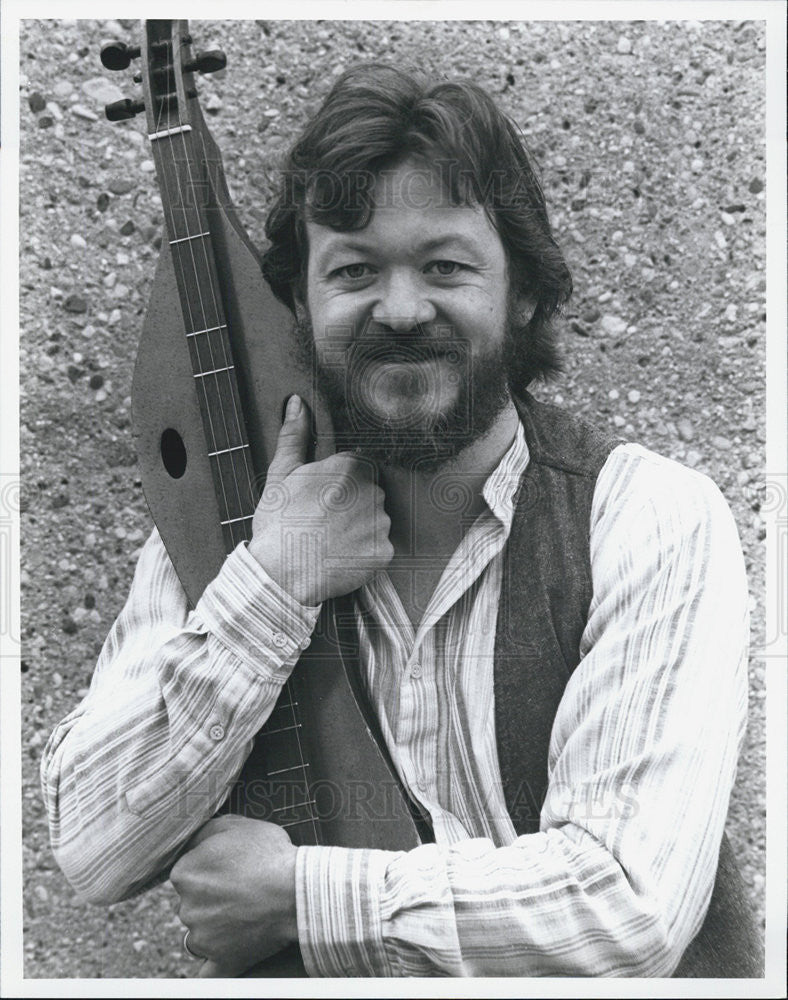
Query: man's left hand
{"x": 236, "y": 884}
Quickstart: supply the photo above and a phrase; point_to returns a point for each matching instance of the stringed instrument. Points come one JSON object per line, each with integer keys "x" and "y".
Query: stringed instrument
{"x": 215, "y": 366}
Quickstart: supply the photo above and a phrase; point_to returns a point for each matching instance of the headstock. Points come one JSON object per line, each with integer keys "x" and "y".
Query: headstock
{"x": 167, "y": 76}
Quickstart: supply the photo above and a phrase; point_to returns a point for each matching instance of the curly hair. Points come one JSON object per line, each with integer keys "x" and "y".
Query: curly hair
{"x": 375, "y": 117}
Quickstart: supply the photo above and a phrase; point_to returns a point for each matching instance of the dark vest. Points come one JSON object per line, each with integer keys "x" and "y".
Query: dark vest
{"x": 545, "y": 596}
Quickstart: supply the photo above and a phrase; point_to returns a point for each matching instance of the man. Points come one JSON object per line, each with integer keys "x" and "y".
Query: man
{"x": 411, "y": 240}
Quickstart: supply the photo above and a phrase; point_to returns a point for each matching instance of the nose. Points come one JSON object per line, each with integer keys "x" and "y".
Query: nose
{"x": 403, "y": 303}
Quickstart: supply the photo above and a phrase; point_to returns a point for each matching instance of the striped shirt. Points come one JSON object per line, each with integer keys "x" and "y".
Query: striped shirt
{"x": 642, "y": 756}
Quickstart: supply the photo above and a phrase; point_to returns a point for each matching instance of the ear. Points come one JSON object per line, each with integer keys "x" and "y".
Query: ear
{"x": 299, "y": 305}
{"x": 524, "y": 308}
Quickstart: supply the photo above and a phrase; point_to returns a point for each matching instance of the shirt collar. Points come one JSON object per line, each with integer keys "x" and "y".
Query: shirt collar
{"x": 501, "y": 486}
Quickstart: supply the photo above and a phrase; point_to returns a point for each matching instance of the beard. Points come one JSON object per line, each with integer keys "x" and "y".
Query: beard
{"x": 424, "y": 433}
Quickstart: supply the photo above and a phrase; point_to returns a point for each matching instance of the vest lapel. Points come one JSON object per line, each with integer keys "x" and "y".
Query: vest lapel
{"x": 545, "y": 595}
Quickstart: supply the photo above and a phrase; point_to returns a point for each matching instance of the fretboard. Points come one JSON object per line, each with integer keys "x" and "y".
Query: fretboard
{"x": 281, "y": 792}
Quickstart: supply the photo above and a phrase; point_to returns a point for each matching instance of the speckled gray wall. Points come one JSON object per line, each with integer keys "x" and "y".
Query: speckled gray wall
{"x": 651, "y": 142}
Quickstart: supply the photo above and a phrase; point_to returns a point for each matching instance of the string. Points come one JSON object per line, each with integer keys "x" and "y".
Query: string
{"x": 219, "y": 314}
{"x": 176, "y": 257}
{"x": 207, "y": 326}
{"x": 291, "y": 702}
{"x": 203, "y": 324}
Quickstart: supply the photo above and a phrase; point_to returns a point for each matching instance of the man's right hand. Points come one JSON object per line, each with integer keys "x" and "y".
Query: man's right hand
{"x": 320, "y": 529}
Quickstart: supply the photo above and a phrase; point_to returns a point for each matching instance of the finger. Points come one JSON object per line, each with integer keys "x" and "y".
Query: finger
{"x": 347, "y": 464}
{"x": 291, "y": 447}
{"x": 358, "y": 462}
{"x": 218, "y": 970}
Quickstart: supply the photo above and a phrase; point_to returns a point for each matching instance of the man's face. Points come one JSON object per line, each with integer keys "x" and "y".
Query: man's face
{"x": 409, "y": 320}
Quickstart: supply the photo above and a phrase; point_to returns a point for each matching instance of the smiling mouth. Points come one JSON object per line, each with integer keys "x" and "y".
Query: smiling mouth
{"x": 406, "y": 350}
{"x": 412, "y": 361}
{"x": 413, "y": 356}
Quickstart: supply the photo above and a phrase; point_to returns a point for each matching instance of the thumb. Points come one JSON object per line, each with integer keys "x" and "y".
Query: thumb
{"x": 291, "y": 447}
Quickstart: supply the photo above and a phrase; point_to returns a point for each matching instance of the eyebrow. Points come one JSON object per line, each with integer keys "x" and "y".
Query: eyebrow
{"x": 451, "y": 239}
{"x": 457, "y": 240}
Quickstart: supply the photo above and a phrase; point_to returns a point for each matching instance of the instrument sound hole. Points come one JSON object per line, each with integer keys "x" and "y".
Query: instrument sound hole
{"x": 173, "y": 453}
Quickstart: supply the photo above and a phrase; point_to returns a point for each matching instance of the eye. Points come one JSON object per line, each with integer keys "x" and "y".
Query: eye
{"x": 353, "y": 271}
{"x": 445, "y": 268}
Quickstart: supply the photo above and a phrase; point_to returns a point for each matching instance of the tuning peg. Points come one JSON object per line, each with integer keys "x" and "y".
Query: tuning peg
{"x": 118, "y": 55}
{"x": 119, "y": 111}
{"x": 207, "y": 62}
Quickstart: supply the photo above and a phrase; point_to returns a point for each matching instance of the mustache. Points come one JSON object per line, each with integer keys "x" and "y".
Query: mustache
{"x": 408, "y": 348}
{"x": 374, "y": 343}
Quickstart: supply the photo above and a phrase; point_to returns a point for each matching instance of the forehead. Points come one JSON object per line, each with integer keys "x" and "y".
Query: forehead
{"x": 410, "y": 185}
{"x": 411, "y": 209}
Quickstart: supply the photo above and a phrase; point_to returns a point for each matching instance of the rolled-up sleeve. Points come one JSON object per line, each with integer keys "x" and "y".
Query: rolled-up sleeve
{"x": 173, "y": 707}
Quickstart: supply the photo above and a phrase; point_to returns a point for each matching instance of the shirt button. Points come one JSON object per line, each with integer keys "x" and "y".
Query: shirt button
{"x": 217, "y": 732}
{"x": 415, "y": 670}
{"x": 421, "y": 784}
{"x": 279, "y": 640}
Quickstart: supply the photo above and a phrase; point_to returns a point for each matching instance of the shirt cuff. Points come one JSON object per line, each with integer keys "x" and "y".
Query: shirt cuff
{"x": 339, "y": 911}
{"x": 250, "y": 614}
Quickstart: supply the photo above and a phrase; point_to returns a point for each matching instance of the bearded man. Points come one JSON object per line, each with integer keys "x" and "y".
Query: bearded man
{"x": 578, "y": 627}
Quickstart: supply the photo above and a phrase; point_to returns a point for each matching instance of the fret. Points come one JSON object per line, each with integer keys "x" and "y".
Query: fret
{"x": 294, "y": 806}
{"x": 282, "y": 704}
{"x": 164, "y": 133}
{"x": 282, "y": 708}
{"x": 300, "y": 822}
{"x": 285, "y": 770}
{"x": 282, "y": 714}
{"x": 184, "y": 227}
{"x": 209, "y": 329}
{"x": 214, "y": 371}
{"x": 185, "y": 239}
{"x": 282, "y": 729}
{"x": 226, "y": 451}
